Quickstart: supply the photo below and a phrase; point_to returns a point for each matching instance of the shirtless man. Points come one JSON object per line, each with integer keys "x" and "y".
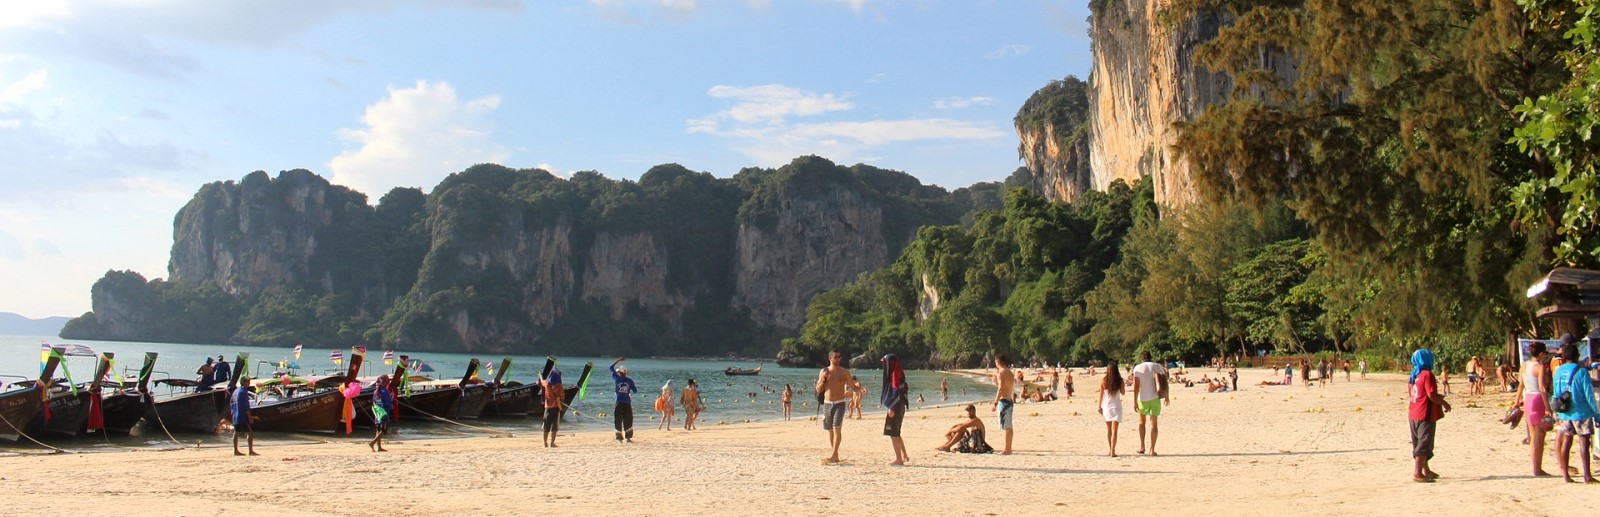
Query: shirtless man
{"x": 836, "y": 386}
{"x": 1003, "y": 404}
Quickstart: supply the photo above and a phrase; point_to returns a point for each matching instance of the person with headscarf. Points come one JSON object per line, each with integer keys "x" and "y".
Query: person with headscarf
{"x": 554, "y": 395}
{"x": 1427, "y": 406}
{"x": 382, "y": 412}
{"x": 893, "y": 396}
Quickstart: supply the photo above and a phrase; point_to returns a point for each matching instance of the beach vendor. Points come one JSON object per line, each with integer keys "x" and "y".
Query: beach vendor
{"x": 622, "y": 415}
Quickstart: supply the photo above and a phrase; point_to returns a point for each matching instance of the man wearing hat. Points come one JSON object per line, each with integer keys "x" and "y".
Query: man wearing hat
{"x": 623, "y": 415}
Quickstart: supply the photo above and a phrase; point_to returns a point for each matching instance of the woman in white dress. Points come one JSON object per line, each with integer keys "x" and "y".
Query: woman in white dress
{"x": 1110, "y": 404}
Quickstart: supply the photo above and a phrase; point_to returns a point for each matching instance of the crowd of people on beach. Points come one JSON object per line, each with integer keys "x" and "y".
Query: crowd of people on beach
{"x": 1551, "y": 396}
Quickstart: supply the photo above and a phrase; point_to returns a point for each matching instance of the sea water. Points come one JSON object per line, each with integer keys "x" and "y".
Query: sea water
{"x": 727, "y": 399}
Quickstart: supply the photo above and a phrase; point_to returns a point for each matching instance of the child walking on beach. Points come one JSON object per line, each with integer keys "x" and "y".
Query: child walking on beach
{"x": 1427, "y": 406}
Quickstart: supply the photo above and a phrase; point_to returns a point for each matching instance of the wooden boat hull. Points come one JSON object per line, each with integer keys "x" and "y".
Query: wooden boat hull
{"x": 121, "y": 410}
{"x": 16, "y": 410}
{"x": 474, "y": 399}
{"x": 422, "y": 406}
{"x": 514, "y": 401}
{"x": 317, "y": 413}
{"x": 191, "y": 412}
{"x": 68, "y": 415}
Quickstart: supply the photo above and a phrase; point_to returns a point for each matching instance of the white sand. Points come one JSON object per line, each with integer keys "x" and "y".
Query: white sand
{"x": 1339, "y": 450}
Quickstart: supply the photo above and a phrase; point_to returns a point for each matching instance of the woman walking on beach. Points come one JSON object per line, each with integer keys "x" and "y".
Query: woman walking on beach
{"x": 1426, "y": 407}
{"x": 664, "y": 406}
{"x": 382, "y": 411}
{"x": 1109, "y": 404}
{"x": 1534, "y": 403}
{"x": 893, "y": 396}
{"x": 691, "y": 405}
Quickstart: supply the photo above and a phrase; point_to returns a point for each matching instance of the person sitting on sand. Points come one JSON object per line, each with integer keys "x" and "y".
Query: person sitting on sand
{"x": 971, "y": 425}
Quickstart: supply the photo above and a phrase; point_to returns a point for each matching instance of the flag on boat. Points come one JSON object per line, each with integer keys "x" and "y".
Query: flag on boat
{"x": 44, "y": 355}
{"x": 337, "y": 357}
{"x": 388, "y": 357}
{"x": 297, "y": 352}
{"x": 489, "y": 369}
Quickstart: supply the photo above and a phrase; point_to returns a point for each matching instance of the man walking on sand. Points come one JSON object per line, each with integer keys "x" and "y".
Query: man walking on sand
{"x": 835, "y": 385}
{"x": 1150, "y": 385}
{"x": 1003, "y": 405}
{"x": 241, "y": 418}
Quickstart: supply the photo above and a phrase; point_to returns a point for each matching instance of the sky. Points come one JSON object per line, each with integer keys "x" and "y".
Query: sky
{"x": 113, "y": 113}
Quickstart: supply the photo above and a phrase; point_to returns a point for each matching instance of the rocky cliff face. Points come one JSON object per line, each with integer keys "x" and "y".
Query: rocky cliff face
{"x": 1145, "y": 78}
{"x": 503, "y": 260}
{"x": 244, "y": 237}
{"x": 820, "y": 240}
{"x": 1058, "y": 165}
{"x": 629, "y": 272}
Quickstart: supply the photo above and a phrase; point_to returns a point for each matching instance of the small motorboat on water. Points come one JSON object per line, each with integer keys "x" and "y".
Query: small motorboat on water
{"x": 734, "y": 370}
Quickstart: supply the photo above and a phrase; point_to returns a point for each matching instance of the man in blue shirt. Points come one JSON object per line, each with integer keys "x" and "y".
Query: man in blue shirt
{"x": 221, "y": 372}
{"x": 623, "y": 416}
{"x": 1576, "y": 424}
{"x": 241, "y": 417}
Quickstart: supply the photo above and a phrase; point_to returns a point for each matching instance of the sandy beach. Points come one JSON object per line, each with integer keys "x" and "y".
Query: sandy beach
{"x": 1339, "y": 450}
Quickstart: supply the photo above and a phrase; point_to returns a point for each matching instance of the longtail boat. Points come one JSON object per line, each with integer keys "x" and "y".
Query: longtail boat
{"x": 428, "y": 401}
{"x": 318, "y": 411}
{"x": 577, "y": 389}
{"x": 475, "y": 395}
{"x": 511, "y": 399}
{"x": 20, "y": 401}
{"x": 66, "y": 410}
{"x": 118, "y": 411}
{"x": 189, "y": 410}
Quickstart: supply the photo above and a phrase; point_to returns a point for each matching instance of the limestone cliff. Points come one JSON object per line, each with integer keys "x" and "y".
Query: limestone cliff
{"x": 244, "y": 237}
{"x": 1053, "y": 140}
{"x": 1144, "y": 79}
{"x": 819, "y": 240}
{"x": 629, "y": 272}
{"x": 521, "y": 261}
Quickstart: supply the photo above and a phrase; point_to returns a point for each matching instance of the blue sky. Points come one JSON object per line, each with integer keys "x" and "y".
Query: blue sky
{"x": 114, "y": 112}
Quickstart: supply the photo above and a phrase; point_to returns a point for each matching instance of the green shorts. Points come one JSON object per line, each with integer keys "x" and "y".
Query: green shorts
{"x": 1150, "y": 407}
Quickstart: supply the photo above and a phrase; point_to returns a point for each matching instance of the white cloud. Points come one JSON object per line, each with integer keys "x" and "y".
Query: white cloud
{"x": 770, "y": 104}
{"x": 878, "y": 77}
{"x": 415, "y": 137}
{"x": 758, "y": 124}
{"x": 22, "y": 87}
{"x": 962, "y": 102}
{"x": 1008, "y": 51}
{"x": 679, "y": 6}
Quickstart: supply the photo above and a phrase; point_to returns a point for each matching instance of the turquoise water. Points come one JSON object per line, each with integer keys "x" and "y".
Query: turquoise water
{"x": 727, "y": 398}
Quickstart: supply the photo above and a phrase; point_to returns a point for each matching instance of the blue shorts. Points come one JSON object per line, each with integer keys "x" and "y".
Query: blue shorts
{"x": 1004, "y": 407}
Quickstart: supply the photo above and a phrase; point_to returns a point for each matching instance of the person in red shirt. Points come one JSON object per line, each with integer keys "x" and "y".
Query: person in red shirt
{"x": 554, "y": 395}
{"x": 1427, "y": 407}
